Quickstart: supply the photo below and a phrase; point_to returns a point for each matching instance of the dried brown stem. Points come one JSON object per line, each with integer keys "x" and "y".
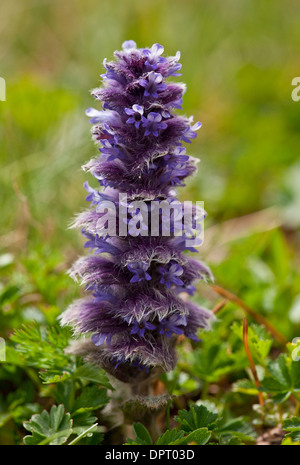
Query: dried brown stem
{"x": 256, "y": 316}
{"x": 251, "y": 362}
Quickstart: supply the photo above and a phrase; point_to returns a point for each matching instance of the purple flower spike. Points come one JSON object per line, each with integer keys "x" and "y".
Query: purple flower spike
{"x": 140, "y": 271}
{"x": 153, "y": 84}
{"x": 135, "y": 114}
{"x": 138, "y": 276}
{"x": 153, "y": 124}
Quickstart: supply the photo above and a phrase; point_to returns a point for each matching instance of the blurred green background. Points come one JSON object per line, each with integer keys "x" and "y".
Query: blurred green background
{"x": 239, "y": 58}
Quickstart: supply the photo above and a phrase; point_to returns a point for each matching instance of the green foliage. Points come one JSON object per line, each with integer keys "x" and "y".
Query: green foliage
{"x": 199, "y": 425}
{"x": 141, "y": 434}
{"x": 283, "y": 378}
{"x": 38, "y": 351}
{"x": 42, "y": 347}
{"x": 196, "y": 417}
{"x": 260, "y": 342}
{"x": 169, "y": 437}
{"x": 56, "y": 428}
{"x": 172, "y": 438}
{"x": 53, "y": 428}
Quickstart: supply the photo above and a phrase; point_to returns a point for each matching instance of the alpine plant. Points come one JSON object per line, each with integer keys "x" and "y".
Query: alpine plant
{"x": 138, "y": 275}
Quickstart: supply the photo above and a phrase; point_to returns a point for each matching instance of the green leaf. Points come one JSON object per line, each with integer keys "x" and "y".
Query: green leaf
{"x": 4, "y": 417}
{"x": 260, "y": 341}
{"x": 94, "y": 374}
{"x": 169, "y": 437}
{"x": 197, "y": 417}
{"x": 9, "y": 294}
{"x": 53, "y": 428}
{"x": 141, "y": 434}
{"x": 245, "y": 386}
{"x": 284, "y": 378}
{"x": 293, "y": 426}
{"x": 279, "y": 371}
{"x": 91, "y": 398}
{"x": 235, "y": 428}
{"x": 295, "y": 374}
{"x": 87, "y": 432}
{"x": 279, "y": 382}
{"x": 82, "y": 421}
{"x": 200, "y": 436}
{"x": 64, "y": 393}
{"x": 54, "y": 376}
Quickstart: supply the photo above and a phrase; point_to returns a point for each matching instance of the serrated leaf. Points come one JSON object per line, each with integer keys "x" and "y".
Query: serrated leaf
{"x": 260, "y": 341}
{"x": 200, "y": 436}
{"x": 197, "y": 417}
{"x": 82, "y": 421}
{"x": 91, "y": 398}
{"x": 54, "y": 376}
{"x": 94, "y": 374}
{"x": 142, "y": 435}
{"x": 279, "y": 381}
{"x": 292, "y": 425}
{"x": 237, "y": 428}
{"x": 53, "y": 428}
{"x": 169, "y": 437}
{"x": 245, "y": 386}
{"x": 85, "y": 433}
{"x": 281, "y": 397}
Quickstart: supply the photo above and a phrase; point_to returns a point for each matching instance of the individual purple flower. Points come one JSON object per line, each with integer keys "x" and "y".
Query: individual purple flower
{"x": 111, "y": 151}
{"x": 135, "y": 114}
{"x": 192, "y": 336}
{"x": 153, "y": 84}
{"x": 94, "y": 195}
{"x": 109, "y": 117}
{"x": 100, "y": 296}
{"x": 103, "y": 246}
{"x": 174, "y": 66}
{"x": 154, "y": 56}
{"x": 99, "y": 339}
{"x": 153, "y": 123}
{"x": 139, "y": 327}
{"x": 118, "y": 360}
{"x": 190, "y": 132}
{"x": 189, "y": 289}
{"x": 171, "y": 276}
{"x": 140, "y": 271}
{"x": 129, "y": 45}
{"x": 137, "y": 224}
{"x": 140, "y": 366}
{"x": 174, "y": 174}
{"x": 171, "y": 325}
